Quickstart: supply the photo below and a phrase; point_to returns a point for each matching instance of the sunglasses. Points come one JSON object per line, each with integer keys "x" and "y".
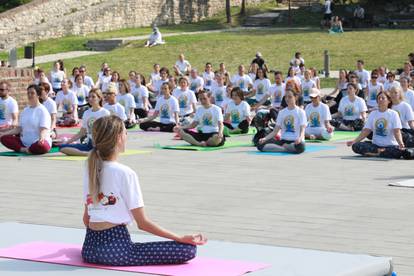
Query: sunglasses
{"x": 374, "y": 77}
{"x": 2, "y": 89}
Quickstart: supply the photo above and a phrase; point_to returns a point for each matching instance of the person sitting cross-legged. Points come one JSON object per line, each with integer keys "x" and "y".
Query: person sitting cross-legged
{"x": 209, "y": 119}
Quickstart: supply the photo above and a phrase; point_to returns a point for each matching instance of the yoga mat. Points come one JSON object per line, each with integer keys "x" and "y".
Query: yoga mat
{"x": 83, "y": 158}
{"x": 405, "y": 183}
{"x": 338, "y": 136}
{"x": 13, "y": 153}
{"x": 70, "y": 254}
{"x": 227, "y": 144}
{"x": 309, "y": 148}
{"x": 252, "y": 131}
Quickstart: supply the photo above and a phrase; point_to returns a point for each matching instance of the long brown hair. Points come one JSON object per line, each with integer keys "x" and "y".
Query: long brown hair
{"x": 99, "y": 94}
{"x": 105, "y": 134}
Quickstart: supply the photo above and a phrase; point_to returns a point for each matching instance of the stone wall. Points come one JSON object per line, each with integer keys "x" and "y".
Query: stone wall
{"x": 19, "y": 80}
{"x": 44, "y": 19}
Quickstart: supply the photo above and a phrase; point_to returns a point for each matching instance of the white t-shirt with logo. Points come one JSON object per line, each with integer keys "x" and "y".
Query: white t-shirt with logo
{"x": 218, "y": 93}
{"x": 88, "y": 81}
{"x": 242, "y": 82}
{"x": 388, "y": 85}
{"x": 104, "y": 82}
{"x": 364, "y": 77}
{"x": 67, "y": 100}
{"x": 196, "y": 83}
{"x": 138, "y": 93}
{"x": 373, "y": 91}
{"x": 238, "y": 113}
{"x": 317, "y": 116}
{"x": 262, "y": 88}
{"x": 183, "y": 65}
{"x": 409, "y": 97}
{"x": 116, "y": 109}
{"x": 307, "y": 85}
{"x": 186, "y": 99}
{"x": 208, "y": 80}
{"x": 157, "y": 86}
{"x": 81, "y": 93}
{"x": 128, "y": 102}
{"x": 154, "y": 77}
{"x": 31, "y": 120}
{"x": 405, "y": 113}
{"x": 382, "y": 125}
{"x": 7, "y": 108}
{"x": 208, "y": 118}
{"x": 276, "y": 93}
{"x": 120, "y": 193}
{"x": 290, "y": 122}
{"x": 50, "y": 106}
{"x": 90, "y": 116}
{"x": 352, "y": 110}
{"x": 56, "y": 78}
{"x": 166, "y": 109}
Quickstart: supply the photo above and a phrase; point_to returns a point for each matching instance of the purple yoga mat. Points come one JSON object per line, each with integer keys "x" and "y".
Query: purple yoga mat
{"x": 70, "y": 254}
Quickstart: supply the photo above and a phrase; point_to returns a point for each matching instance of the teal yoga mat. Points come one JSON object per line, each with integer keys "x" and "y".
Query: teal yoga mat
{"x": 228, "y": 144}
{"x": 308, "y": 149}
{"x": 338, "y": 136}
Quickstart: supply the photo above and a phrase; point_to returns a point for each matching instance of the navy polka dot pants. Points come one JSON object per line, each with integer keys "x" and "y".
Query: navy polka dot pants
{"x": 114, "y": 247}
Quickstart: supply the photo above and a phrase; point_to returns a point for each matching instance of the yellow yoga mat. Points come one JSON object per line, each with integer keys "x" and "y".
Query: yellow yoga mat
{"x": 83, "y": 158}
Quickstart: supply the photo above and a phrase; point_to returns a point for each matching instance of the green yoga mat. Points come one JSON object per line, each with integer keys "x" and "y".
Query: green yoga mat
{"x": 13, "y": 153}
{"x": 83, "y": 158}
{"x": 338, "y": 136}
{"x": 228, "y": 144}
{"x": 252, "y": 131}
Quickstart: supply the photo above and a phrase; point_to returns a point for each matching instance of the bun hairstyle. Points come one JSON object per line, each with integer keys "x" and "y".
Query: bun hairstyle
{"x": 105, "y": 134}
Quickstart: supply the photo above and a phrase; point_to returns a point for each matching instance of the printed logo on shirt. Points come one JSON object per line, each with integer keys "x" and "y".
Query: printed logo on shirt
{"x": 208, "y": 83}
{"x": 165, "y": 111}
{"x": 289, "y": 123}
{"x": 90, "y": 123}
{"x": 136, "y": 98}
{"x": 381, "y": 127}
{"x": 349, "y": 110}
{"x": 193, "y": 86}
{"x": 235, "y": 117}
{"x": 241, "y": 84}
{"x": 81, "y": 98}
{"x": 219, "y": 97}
{"x": 2, "y": 111}
{"x": 278, "y": 97}
{"x": 260, "y": 89}
{"x": 122, "y": 102}
{"x": 314, "y": 119}
{"x": 207, "y": 119}
{"x": 306, "y": 92}
{"x": 67, "y": 105}
{"x": 182, "y": 101}
{"x": 104, "y": 200}
{"x": 373, "y": 95}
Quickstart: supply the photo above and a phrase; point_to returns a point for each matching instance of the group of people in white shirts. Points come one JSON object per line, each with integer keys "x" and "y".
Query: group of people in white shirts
{"x": 204, "y": 109}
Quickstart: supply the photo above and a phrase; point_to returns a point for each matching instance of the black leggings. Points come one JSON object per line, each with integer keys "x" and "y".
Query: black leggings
{"x": 357, "y": 124}
{"x": 153, "y": 124}
{"x": 299, "y": 148}
{"x": 141, "y": 113}
{"x": 243, "y": 126}
{"x": 129, "y": 125}
{"x": 408, "y": 137}
{"x": 368, "y": 147}
{"x": 203, "y": 137}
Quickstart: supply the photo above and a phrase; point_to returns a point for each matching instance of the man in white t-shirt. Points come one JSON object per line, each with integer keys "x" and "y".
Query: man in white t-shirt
{"x": 241, "y": 80}
{"x": 182, "y": 66}
{"x": 363, "y": 75}
{"x": 87, "y": 80}
{"x": 209, "y": 120}
{"x": 9, "y": 109}
{"x": 327, "y": 15}
{"x": 196, "y": 82}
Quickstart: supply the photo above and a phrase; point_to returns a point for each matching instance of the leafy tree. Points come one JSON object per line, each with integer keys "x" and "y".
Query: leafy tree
{"x": 10, "y": 4}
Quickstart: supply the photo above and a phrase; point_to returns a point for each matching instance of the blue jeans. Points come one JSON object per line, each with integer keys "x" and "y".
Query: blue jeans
{"x": 81, "y": 147}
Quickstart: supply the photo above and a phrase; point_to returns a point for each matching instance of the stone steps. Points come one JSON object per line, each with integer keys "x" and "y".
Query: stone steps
{"x": 262, "y": 20}
{"x": 104, "y": 45}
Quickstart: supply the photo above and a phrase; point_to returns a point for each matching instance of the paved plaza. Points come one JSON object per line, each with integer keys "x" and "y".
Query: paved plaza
{"x": 327, "y": 200}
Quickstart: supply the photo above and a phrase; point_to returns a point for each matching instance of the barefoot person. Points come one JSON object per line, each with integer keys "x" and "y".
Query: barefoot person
{"x": 209, "y": 120}
{"x": 113, "y": 199}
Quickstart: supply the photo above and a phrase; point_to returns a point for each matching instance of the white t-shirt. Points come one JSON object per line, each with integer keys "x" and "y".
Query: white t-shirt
{"x": 405, "y": 113}
{"x": 167, "y": 108}
{"x": 104, "y": 82}
{"x": 157, "y": 86}
{"x": 382, "y": 125}
{"x": 295, "y": 79}
{"x": 290, "y": 122}
{"x": 242, "y": 82}
{"x": 31, "y": 120}
{"x": 89, "y": 117}
{"x": 154, "y": 77}
{"x": 196, "y": 83}
{"x": 373, "y": 91}
{"x": 388, "y": 85}
{"x": 276, "y": 93}
{"x": 88, "y": 81}
{"x": 218, "y": 93}
{"x": 409, "y": 97}
{"x": 262, "y": 88}
{"x": 317, "y": 116}
{"x": 208, "y": 118}
{"x": 183, "y": 66}
{"x": 116, "y": 109}
{"x": 307, "y": 85}
{"x": 56, "y": 78}
{"x": 120, "y": 193}
{"x": 7, "y": 108}
{"x": 208, "y": 80}
{"x": 81, "y": 93}
{"x": 238, "y": 113}
{"x": 382, "y": 79}
{"x": 364, "y": 77}
{"x": 66, "y": 100}
{"x": 138, "y": 93}
{"x": 186, "y": 99}
{"x": 128, "y": 102}
{"x": 352, "y": 110}
{"x": 328, "y": 7}
{"x": 50, "y": 106}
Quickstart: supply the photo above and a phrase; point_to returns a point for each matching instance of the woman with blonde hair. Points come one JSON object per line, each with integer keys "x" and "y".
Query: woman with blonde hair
{"x": 113, "y": 199}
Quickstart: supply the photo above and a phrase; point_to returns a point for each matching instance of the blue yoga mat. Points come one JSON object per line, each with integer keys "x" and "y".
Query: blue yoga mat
{"x": 309, "y": 148}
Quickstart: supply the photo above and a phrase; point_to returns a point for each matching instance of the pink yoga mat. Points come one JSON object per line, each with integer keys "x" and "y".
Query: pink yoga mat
{"x": 70, "y": 254}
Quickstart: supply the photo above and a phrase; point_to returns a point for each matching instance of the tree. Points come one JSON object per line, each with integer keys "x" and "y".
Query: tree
{"x": 243, "y": 7}
{"x": 228, "y": 11}
{"x": 10, "y": 4}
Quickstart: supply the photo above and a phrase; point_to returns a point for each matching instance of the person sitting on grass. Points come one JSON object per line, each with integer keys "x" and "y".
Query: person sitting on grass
{"x": 385, "y": 126}
{"x": 237, "y": 114}
{"x": 154, "y": 39}
{"x": 95, "y": 112}
{"x": 352, "y": 111}
{"x": 167, "y": 109}
{"x": 209, "y": 120}
{"x": 33, "y": 133}
{"x": 406, "y": 116}
{"x": 292, "y": 123}
{"x": 182, "y": 67}
{"x": 336, "y": 26}
{"x": 113, "y": 199}
{"x": 67, "y": 102}
{"x": 319, "y": 117}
